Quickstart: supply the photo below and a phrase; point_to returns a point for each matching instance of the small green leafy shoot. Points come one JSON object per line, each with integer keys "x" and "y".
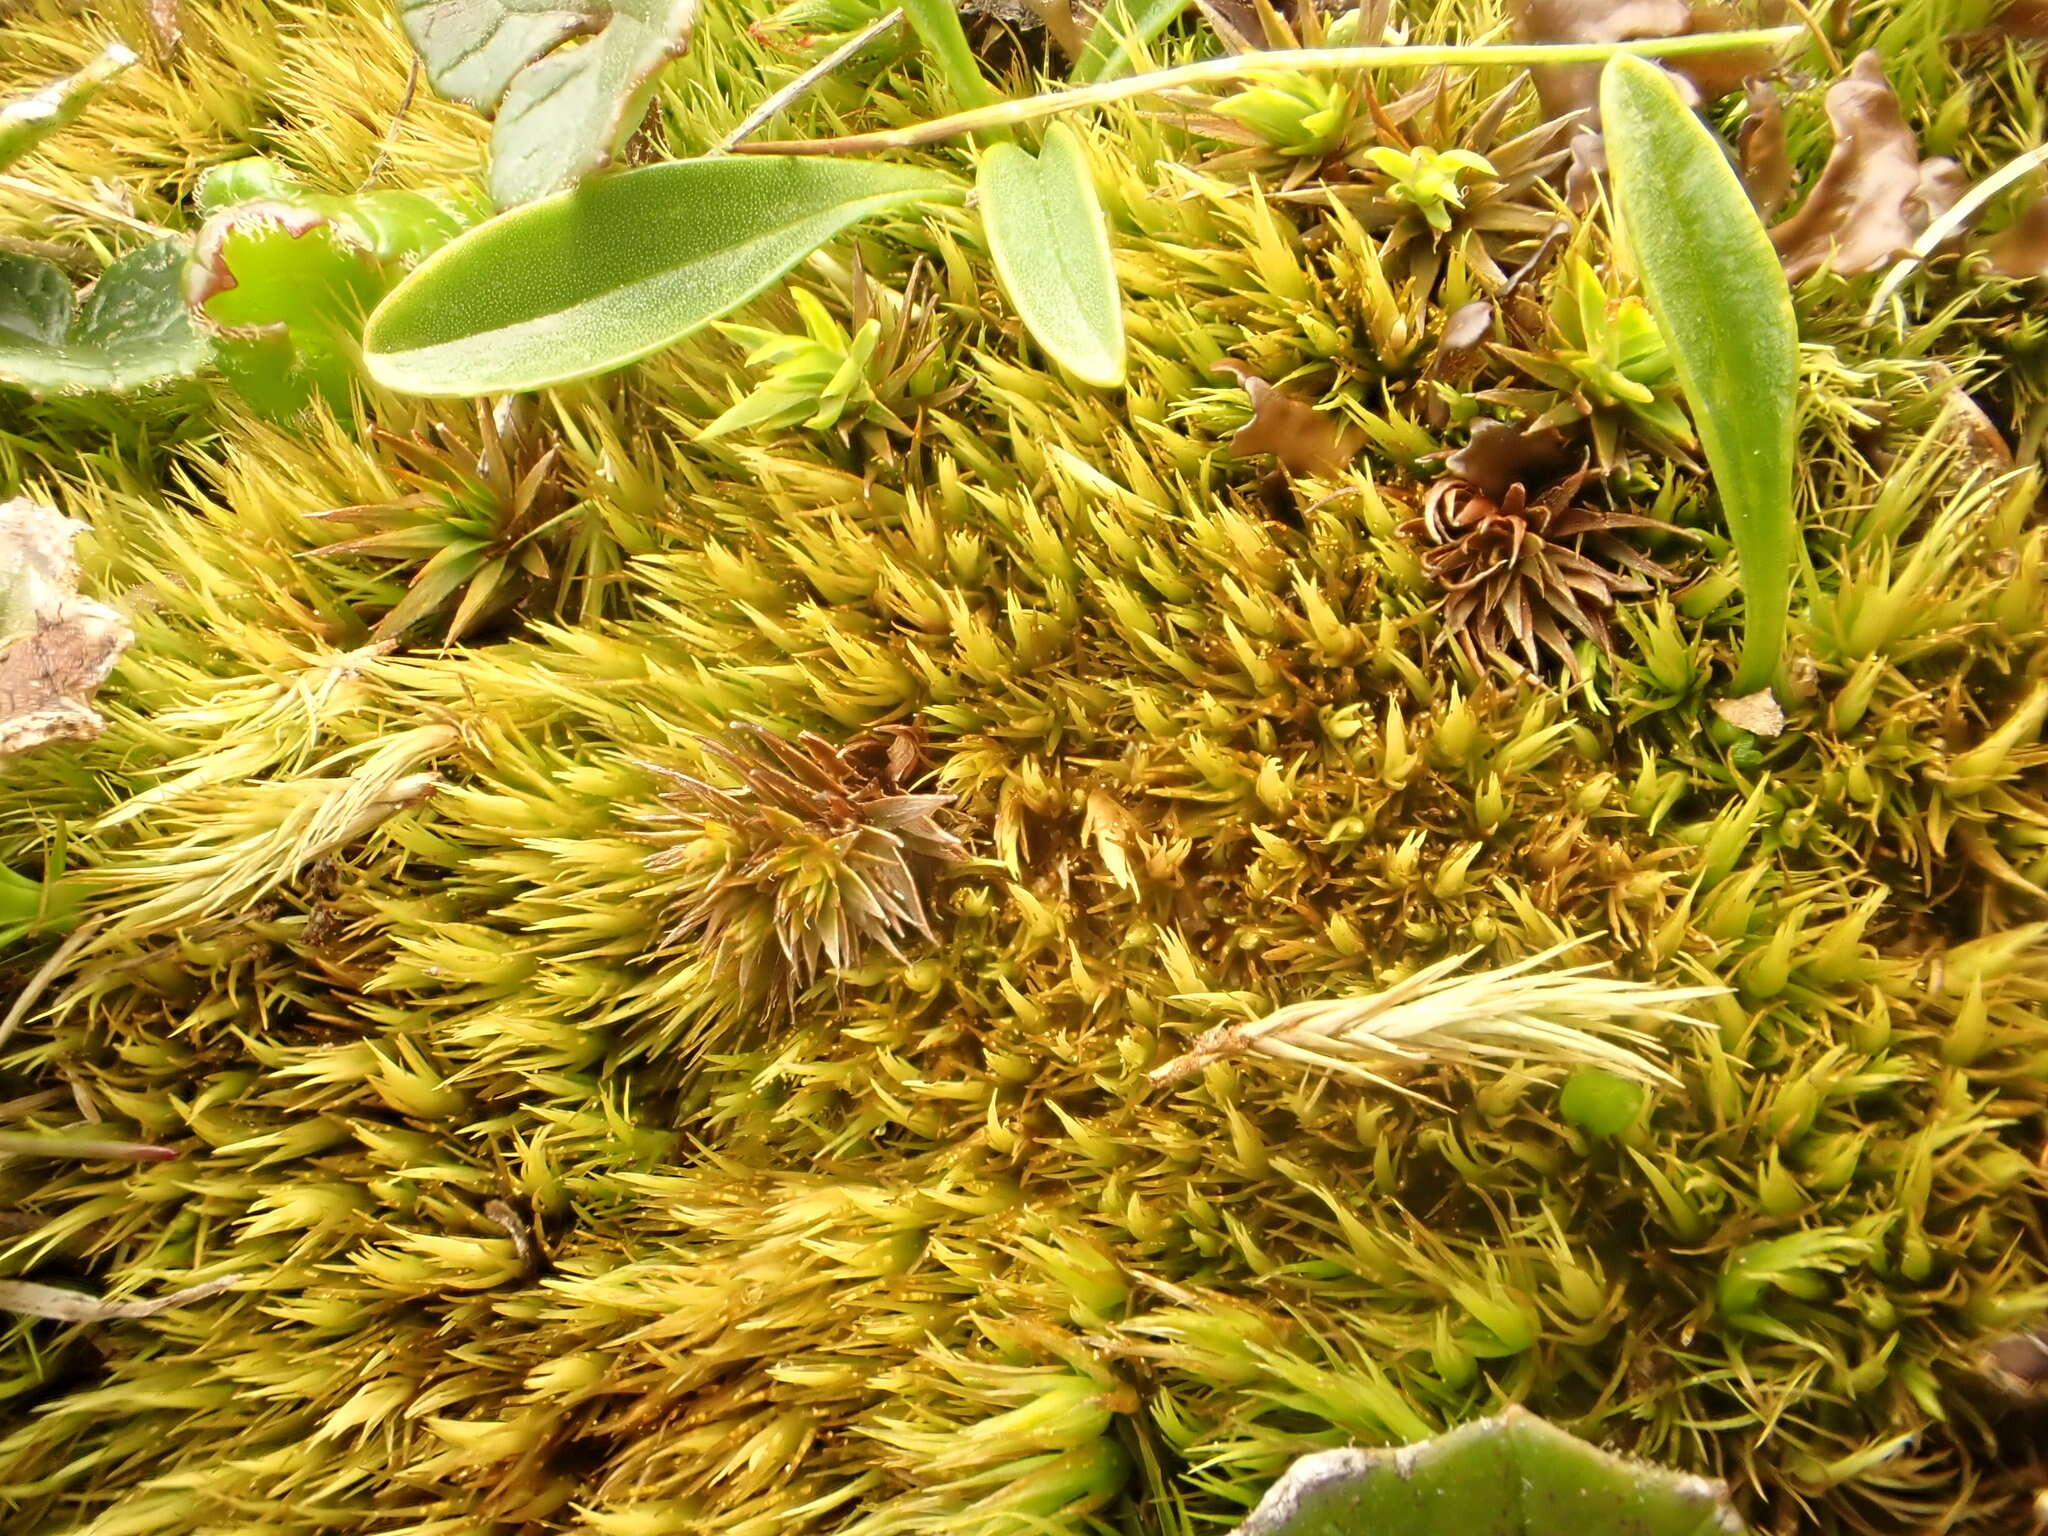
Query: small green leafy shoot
{"x": 1719, "y": 293}
{"x": 591, "y": 280}
{"x": 1050, "y": 242}
{"x": 282, "y": 282}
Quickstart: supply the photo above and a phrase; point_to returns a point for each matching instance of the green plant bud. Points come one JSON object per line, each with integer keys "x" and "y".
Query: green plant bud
{"x": 1679, "y": 1213}
{"x": 1916, "y": 1255}
{"x": 1777, "y": 1192}
{"x": 1456, "y": 741}
{"x": 1453, "y": 875}
{"x": 1771, "y": 967}
{"x": 1599, "y": 1103}
{"x": 1455, "y": 1365}
{"x": 1490, "y": 805}
{"x": 1970, "y": 1031}
{"x": 1793, "y": 1110}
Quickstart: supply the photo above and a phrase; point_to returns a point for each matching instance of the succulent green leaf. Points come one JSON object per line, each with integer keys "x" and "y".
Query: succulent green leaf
{"x": 938, "y": 24}
{"x": 1117, "y": 33}
{"x": 132, "y": 331}
{"x": 26, "y": 122}
{"x": 1050, "y": 242}
{"x": 597, "y": 278}
{"x": 283, "y": 282}
{"x": 1719, "y": 293}
{"x": 561, "y": 111}
{"x": 1513, "y": 1475}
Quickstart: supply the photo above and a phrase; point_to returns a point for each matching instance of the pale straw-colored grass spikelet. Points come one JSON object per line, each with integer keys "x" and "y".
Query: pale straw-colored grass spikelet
{"x": 1520, "y": 1014}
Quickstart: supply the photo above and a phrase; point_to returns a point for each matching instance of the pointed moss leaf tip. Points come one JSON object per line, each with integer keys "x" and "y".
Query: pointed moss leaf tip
{"x": 1050, "y": 242}
{"x": 591, "y": 280}
{"x": 1714, "y": 283}
{"x": 1513, "y": 1475}
{"x": 561, "y": 111}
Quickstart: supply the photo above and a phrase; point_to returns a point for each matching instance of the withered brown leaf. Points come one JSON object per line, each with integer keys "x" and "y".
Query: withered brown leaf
{"x": 1305, "y": 441}
{"x": 56, "y": 647}
{"x": 1758, "y": 713}
{"x": 1766, "y": 167}
{"x": 1500, "y": 455}
{"x": 1875, "y": 195}
{"x": 2021, "y": 250}
{"x": 1569, "y": 88}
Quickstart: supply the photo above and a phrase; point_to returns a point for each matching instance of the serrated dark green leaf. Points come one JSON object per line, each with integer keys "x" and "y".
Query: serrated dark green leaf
{"x": 1719, "y": 293}
{"x": 561, "y": 111}
{"x": 601, "y": 277}
{"x": 133, "y": 330}
{"x": 1050, "y": 243}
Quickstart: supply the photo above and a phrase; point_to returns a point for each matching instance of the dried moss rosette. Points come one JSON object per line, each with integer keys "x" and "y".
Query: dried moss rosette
{"x": 550, "y": 1219}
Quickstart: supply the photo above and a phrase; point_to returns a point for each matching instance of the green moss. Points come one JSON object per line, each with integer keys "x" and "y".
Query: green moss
{"x": 552, "y": 1225}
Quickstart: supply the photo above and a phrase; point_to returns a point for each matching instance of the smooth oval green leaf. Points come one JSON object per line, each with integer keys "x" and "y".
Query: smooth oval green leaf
{"x": 567, "y": 80}
{"x": 1513, "y": 1475}
{"x": 1719, "y": 293}
{"x": 133, "y": 330}
{"x": 26, "y": 122}
{"x": 1050, "y": 242}
{"x": 600, "y": 277}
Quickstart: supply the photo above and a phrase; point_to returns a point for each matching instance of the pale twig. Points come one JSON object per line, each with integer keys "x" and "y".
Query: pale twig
{"x": 1952, "y": 222}
{"x": 78, "y": 205}
{"x": 45, "y": 974}
{"x": 412, "y": 86}
{"x": 804, "y": 83}
{"x": 1279, "y": 61}
{"x": 28, "y": 1299}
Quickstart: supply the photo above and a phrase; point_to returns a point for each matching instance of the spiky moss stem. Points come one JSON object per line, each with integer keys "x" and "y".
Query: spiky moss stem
{"x": 918, "y": 1248}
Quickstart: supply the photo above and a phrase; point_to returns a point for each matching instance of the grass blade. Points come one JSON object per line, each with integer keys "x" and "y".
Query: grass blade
{"x": 1717, "y": 289}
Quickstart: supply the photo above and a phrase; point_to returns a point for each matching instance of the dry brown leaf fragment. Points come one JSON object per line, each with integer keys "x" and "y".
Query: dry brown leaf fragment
{"x": 2025, "y": 21}
{"x": 1875, "y": 195}
{"x": 166, "y": 24}
{"x": 1758, "y": 713}
{"x": 1567, "y": 88}
{"x": 1305, "y": 441}
{"x": 25, "y": 1298}
{"x": 2021, "y": 250}
{"x": 1766, "y": 167}
{"x": 1502, "y": 454}
{"x": 56, "y": 647}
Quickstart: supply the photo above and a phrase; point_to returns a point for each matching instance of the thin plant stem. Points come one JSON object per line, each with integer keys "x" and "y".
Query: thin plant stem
{"x": 1008, "y": 114}
{"x": 805, "y": 83}
{"x": 1953, "y": 221}
{"x": 80, "y": 206}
